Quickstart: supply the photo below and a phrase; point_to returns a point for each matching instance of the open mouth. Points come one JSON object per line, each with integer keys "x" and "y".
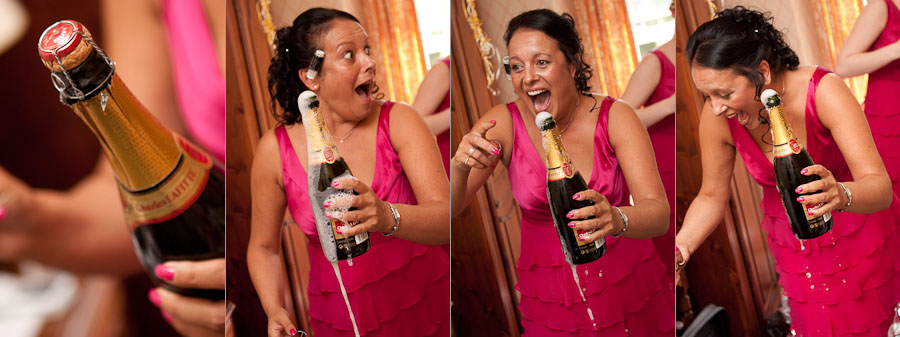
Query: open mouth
{"x": 364, "y": 90}
{"x": 743, "y": 117}
{"x": 540, "y": 99}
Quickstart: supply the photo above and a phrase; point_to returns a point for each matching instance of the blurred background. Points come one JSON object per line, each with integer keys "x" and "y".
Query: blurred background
{"x": 616, "y": 35}
{"x": 408, "y": 37}
{"x": 733, "y": 268}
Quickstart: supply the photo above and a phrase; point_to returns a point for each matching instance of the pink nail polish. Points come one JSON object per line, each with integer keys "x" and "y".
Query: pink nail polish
{"x": 810, "y": 212}
{"x": 576, "y": 196}
{"x": 570, "y": 215}
{"x": 572, "y": 224}
{"x": 495, "y": 151}
{"x": 327, "y": 203}
{"x": 334, "y": 184}
{"x": 166, "y": 316}
{"x": 493, "y": 122}
{"x": 800, "y": 199}
{"x": 153, "y": 295}
{"x": 799, "y": 189}
{"x": 164, "y": 272}
{"x": 580, "y": 238}
{"x": 803, "y": 171}
{"x": 676, "y": 249}
{"x": 293, "y": 332}
{"x": 2, "y": 213}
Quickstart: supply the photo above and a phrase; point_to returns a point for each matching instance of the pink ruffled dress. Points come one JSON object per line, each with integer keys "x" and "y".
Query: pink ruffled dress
{"x": 662, "y": 136}
{"x": 398, "y": 287}
{"x": 626, "y": 289}
{"x": 843, "y": 283}
{"x": 881, "y": 106}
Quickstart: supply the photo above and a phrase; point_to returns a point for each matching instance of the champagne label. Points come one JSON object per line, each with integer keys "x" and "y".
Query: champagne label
{"x": 786, "y": 149}
{"x": 174, "y": 194}
{"x": 813, "y": 221}
{"x": 587, "y": 247}
{"x": 566, "y": 170}
{"x": 344, "y": 242}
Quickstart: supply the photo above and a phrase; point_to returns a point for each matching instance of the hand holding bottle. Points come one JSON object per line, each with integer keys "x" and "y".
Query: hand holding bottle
{"x": 191, "y": 316}
{"x": 368, "y": 213}
{"x": 475, "y": 151}
{"x": 827, "y": 193}
{"x": 15, "y": 198}
{"x": 600, "y": 219}
{"x": 280, "y": 324}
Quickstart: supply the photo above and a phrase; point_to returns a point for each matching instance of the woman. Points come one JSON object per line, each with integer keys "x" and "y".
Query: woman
{"x": 400, "y": 287}
{"x": 652, "y": 85}
{"x": 625, "y": 289}
{"x": 840, "y": 283}
{"x": 433, "y": 104}
{"x": 873, "y": 47}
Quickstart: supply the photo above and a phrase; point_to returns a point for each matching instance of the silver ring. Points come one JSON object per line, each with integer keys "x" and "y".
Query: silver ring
{"x": 467, "y": 161}
{"x": 471, "y": 151}
{"x": 683, "y": 261}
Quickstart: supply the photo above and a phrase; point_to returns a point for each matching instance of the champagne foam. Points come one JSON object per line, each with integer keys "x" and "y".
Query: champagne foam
{"x": 305, "y": 100}
{"x": 766, "y": 94}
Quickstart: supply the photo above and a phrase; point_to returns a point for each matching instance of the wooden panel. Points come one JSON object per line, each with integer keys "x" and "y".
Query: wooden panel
{"x": 737, "y": 248}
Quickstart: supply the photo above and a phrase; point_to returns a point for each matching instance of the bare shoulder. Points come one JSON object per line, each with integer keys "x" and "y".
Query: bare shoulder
{"x": 267, "y": 160}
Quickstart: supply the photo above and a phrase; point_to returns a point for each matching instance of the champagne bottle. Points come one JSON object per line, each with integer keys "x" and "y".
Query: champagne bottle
{"x": 790, "y": 159}
{"x": 174, "y": 201}
{"x": 325, "y": 164}
{"x": 564, "y": 181}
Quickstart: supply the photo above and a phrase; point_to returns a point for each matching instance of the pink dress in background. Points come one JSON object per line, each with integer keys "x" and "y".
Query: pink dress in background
{"x": 199, "y": 85}
{"x": 662, "y": 136}
{"x": 627, "y": 289}
{"x": 843, "y": 283}
{"x": 443, "y": 139}
{"x": 882, "y": 108}
{"x": 398, "y": 287}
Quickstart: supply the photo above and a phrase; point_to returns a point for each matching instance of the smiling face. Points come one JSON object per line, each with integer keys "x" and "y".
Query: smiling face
{"x": 540, "y": 72}
{"x": 729, "y": 93}
{"x": 347, "y": 77}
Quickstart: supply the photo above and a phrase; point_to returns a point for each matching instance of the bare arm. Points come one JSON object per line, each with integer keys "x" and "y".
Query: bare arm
{"x": 435, "y": 86}
{"x": 469, "y": 175}
{"x": 708, "y": 208}
{"x": 854, "y": 59}
{"x": 264, "y": 258}
{"x": 641, "y": 86}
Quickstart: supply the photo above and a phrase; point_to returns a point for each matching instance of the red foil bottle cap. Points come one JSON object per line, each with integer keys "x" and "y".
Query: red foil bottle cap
{"x": 62, "y": 37}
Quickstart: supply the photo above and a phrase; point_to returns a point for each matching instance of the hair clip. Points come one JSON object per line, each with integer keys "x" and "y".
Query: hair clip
{"x": 315, "y": 65}
{"x": 507, "y": 68}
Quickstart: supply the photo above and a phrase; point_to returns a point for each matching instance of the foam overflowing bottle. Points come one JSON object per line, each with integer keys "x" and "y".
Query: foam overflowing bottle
{"x": 325, "y": 165}
{"x": 174, "y": 201}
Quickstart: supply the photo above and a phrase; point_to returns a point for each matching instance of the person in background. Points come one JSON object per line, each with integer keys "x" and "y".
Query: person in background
{"x": 433, "y": 104}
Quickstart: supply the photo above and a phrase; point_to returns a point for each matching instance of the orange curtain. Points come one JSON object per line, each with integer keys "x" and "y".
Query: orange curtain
{"x": 839, "y": 17}
{"x": 397, "y": 47}
{"x": 608, "y": 42}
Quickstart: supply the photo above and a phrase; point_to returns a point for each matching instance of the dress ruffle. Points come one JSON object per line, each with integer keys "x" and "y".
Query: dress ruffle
{"x": 398, "y": 307}
{"x": 617, "y": 287}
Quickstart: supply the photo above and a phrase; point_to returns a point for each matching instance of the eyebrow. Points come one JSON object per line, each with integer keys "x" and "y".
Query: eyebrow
{"x": 536, "y": 55}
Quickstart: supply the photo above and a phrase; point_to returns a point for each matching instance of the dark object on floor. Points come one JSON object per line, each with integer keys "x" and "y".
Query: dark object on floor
{"x": 711, "y": 322}
{"x": 777, "y": 325}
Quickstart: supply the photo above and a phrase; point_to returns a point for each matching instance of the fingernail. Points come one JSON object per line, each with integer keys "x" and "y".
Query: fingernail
{"x": 495, "y": 151}
{"x": 164, "y": 272}
{"x": 576, "y": 196}
{"x": 580, "y": 238}
{"x": 570, "y": 215}
{"x": 493, "y": 122}
{"x": 166, "y": 316}
{"x": 799, "y": 189}
{"x": 339, "y": 231}
{"x": 2, "y": 213}
{"x": 334, "y": 183}
{"x": 676, "y": 249}
{"x": 293, "y": 332}
{"x": 572, "y": 224}
{"x": 800, "y": 199}
{"x": 803, "y": 171}
{"x": 328, "y": 215}
{"x": 153, "y": 295}
{"x": 327, "y": 203}
{"x": 810, "y": 212}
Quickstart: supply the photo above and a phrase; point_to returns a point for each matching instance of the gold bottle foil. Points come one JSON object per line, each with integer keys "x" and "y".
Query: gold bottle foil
{"x": 559, "y": 166}
{"x": 782, "y": 135}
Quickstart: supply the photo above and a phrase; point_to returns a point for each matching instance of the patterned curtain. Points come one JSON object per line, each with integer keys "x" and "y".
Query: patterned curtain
{"x": 839, "y": 17}
{"x": 393, "y": 32}
{"x": 608, "y": 43}
{"x": 397, "y": 45}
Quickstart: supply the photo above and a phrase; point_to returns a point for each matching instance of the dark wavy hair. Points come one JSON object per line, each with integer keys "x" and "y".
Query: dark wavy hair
{"x": 295, "y": 47}
{"x": 562, "y": 29}
{"x": 739, "y": 39}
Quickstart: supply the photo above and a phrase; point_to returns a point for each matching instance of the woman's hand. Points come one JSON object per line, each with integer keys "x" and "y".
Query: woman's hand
{"x": 474, "y": 151}
{"x": 192, "y": 317}
{"x": 15, "y": 201}
{"x": 371, "y": 214}
{"x": 604, "y": 222}
{"x": 280, "y": 324}
{"x": 681, "y": 257}
{"x": 830, "y": 196}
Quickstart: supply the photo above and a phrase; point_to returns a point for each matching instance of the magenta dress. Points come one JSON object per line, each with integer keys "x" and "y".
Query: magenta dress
{"x": 443, "y": 139}
{"x": 881, "y": 106}
{"x": 398, "y": 287}
{"x": 627, "y": 289}
{"x": 199, "y": 84}
{"x": 843, "y": 283}
{"x": 662, "y": 136}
